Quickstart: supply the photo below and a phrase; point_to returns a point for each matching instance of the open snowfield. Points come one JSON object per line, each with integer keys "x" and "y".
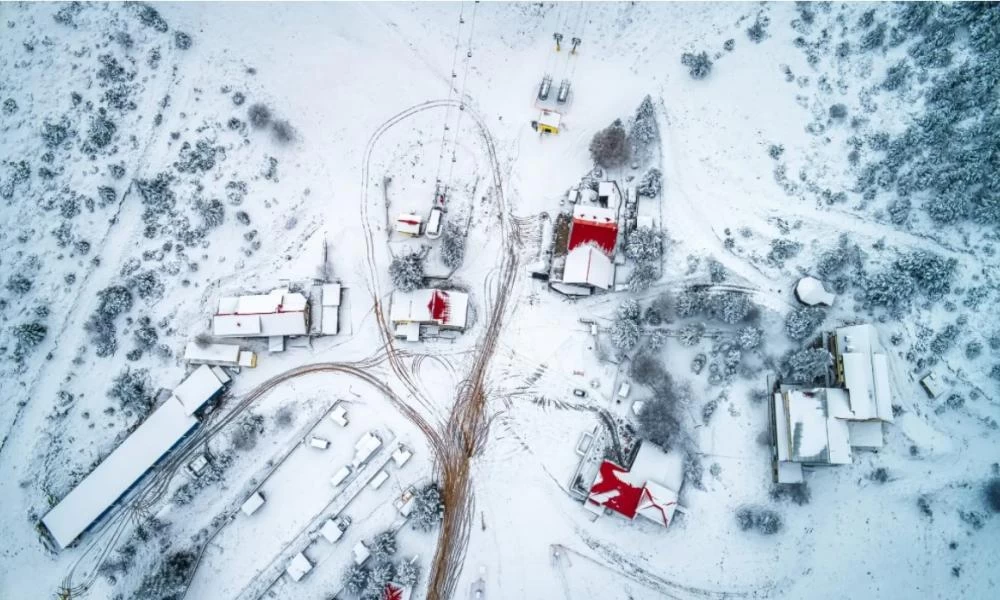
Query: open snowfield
{"x": 154, "y": 158}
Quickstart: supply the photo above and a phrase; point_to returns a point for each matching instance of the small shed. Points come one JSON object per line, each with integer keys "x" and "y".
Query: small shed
{"x": 401, "y": 456}
{"x": 299, "y": 567}
{"x": 360, "y": 553}
{"x": 548, "y": 122}
{"x": 331, "y": 531}
{"x": 339, "y": 415}
{"x": 365, "y": 448}
{"x": 377, "y": 481}
{"x": 253, "y": 504}
{"x": 409, "y": 224}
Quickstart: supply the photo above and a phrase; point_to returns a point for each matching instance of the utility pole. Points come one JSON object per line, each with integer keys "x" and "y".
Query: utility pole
{"x": 558, "y": 38}
{"x": 576, "y": 42}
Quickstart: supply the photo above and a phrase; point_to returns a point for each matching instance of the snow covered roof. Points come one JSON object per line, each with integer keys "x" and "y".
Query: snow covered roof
{"x": 331, "y": 531}
{"x": 278, "y": 300}
{"x": 638, "y": 491}
{"x": 807, "y": 430}
{"x": 409, "y": 224}
{"x": 252, "y": 504}
{"x": 262, "y": 315}
{"x": 118, "y": 472}
{"x": 608, "y": 192}
{"x": 594, "y": 225}
{"x": 331, "y": 294}
{"x": 653, "y": 464}
{"x": 197, "y": 389}
{"x": 863, "y": 369}
{"x": 550, "y": 118}
{"x": 589, "y": 266}
{"x": 298, "y": 567}
{"x": 657, "y": 503}
{"x": 217, "y": 354}
{"x": 430, "y": 306}
{"x": 810, "y": 291}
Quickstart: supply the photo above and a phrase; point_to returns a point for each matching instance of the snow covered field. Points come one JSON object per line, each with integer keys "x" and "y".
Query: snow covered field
{"x": 154, "y": 158}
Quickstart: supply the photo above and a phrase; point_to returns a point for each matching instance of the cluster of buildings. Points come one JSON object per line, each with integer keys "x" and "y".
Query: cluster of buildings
{"x": 428, "y": 312}
{"x": 279, "y": 314}
{"x": 587, "y": 262}
{"x": 819, "y": 426}
{"x": 164, "y": 429}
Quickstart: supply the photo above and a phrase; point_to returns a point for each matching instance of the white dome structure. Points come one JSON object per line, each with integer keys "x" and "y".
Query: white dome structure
{"x": 810, "y": 291}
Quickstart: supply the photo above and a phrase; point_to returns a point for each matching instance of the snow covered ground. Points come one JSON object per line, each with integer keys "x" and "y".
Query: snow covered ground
{"x": 152, "y": 161}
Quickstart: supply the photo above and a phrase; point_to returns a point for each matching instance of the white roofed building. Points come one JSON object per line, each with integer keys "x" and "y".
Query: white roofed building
{"x": 278, "y": 313}
{"x": 588, "y": 266}
{"x": 863, "y": 370}
{"x": 810, "y": 291}
{"x": 440, "y": 308}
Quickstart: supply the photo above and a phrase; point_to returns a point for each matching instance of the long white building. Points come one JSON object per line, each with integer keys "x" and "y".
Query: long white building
{"x": 133, "y": 458}
{"x": 275, "y": 314}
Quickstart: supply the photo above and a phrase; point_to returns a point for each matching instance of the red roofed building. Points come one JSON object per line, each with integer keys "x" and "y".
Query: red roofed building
{"x": 594, "y": 225}
{"x": 630, "y": 493}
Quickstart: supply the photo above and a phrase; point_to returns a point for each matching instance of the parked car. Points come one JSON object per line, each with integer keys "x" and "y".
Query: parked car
{"x": 580, "y": 393}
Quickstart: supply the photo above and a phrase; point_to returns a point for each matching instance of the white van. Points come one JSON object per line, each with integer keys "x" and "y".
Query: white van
{"x": 433, "y": 230}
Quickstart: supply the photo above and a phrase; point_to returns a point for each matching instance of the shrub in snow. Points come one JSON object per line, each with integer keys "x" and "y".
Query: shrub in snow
{"x": 716, "y": 272}
{"x": 652, "y": 315}
{"x": 18, "y": 284}
{"x": 628, "y": 309}
{"x": 879, "y": 475}
{"x": 213, "y": 213}
{"x": 931, "y": 274}
{"x": 643, "y": 130}
{"x": 924, "y": 505}
{"x": 749, "y": 337}
{"x": 645, "y": 245}
{"x": 758, "y": 31}
{"x": 355, "y": 579}
{"x": 182, "y": 40}
{"x": 699, "y": 65}
{"x": 428, "y": 508}
{"x": 239, "y": 98}
{"x": 169, "y": 581}
{"x": 28, "y": 337}
{"x": 283, "y": 131}
{"x": 383, "y": 545}
{"x": 54, "y": 134}
{"x": 657, "y": 422}
{"x": 146, "y": 336}
{"x": 896, "y": 76}
{"x": 973, "y": 349}
{"x": 63, "y": 234}
{"x": 157, "y": 196}
{"x": 245, "y": 436}
{"x": 808, "y": 366}
{"x": 642, "y": 277}
{"x": 650, "y": 184}
{"x": 781, "y": 250}
{"x": 874, "y": 39}
{"x": 609, "y": 147}
{"x": 133, "y": 390}
{"x": 992, "y": 494}
{"x": 763, "y": 520}
{"x": 452, "y": 245}
{"x": 70, "y": 206}
{"x": 66, "y": 15}
{"x": 838, "y": 112}
{"x": 892, "y": 290}
{"x": 944, "y": 340}
{"x": 9, "y": 107}
{"x": 795, "y": 492}
{"x": 729, "y": 45}
{"x": 199, "y": 158}
{"x": 407, "y": 573}
{"x": 259, "y": 116}
{"x": 690, "y": 303}
{"x": 147, "y": 284}
{"x": 698, "y": 363}
{"x": 150, "y": 17}
{"x": 407, "y": 271}
{"x": 802, "y": 321}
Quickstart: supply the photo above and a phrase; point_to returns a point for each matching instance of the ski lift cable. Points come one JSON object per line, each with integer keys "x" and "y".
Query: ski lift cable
{"x": 567, "y": 69}
{"x": 461, "y": 98}
{"x": 582, "y": 30}
{"x": 451, "y": 88}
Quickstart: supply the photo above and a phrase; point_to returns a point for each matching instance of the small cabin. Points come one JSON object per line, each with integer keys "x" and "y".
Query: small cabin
{"x": 548, "y": 122}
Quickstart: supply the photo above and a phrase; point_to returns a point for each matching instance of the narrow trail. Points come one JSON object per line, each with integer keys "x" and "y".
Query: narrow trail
{"x": 466, "y": 428}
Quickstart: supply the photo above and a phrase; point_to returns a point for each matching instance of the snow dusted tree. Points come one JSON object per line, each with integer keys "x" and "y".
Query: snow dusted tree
{"x": 213, "y": 213}
{"x": 355, "y": 579}
{"x": 699, "y": 65}
{"x": 28, "y": 336}
{"x": 650, "y": 184}
{"x": 642, "y": 277}
{"x": 381, "y": 573}
{"x": 624, "y": 334}
{"x": 657, "y": 339}
{"x": 931, "y": 274}
{"x": 645, "y": 245}
{"x": 133, "y": 390}
{"x": 643, "y": 130}
{"x": 803, "y": 321}
{"x": 114, "y": 300}
{"x": 808, "y": 366}
{"x": 690, "y": 335}
{"x": 657, "y": 422}
{"x": 992, "y": 494}
{"x": 730, "y": 307}
{"x": 147, "y": 284}
{"x": 690, "y": 303}
{"x": 629, "y": 309}
{"x": 609, "y": 147}
{"x": 758, "y": 31}
{"x": 407, "y": 271}
{"x": 428, "y": 508}
{"x": 383, "y": 545}
{"x": 749, "y": 337}
{"x": 407, "y": 573}
{"x": 452, "y": 245}
{"x": 19, "y": 284}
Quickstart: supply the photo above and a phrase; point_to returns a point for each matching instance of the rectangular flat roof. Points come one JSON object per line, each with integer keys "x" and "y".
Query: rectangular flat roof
{"x": 197, "y": 389}
{"x": 118, "y": 472}
{"x": 212, "y": 353}
{"x": 236, "y": 325}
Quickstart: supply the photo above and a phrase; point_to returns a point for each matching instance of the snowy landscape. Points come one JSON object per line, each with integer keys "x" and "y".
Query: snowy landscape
{"x": 499, "y": 300}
